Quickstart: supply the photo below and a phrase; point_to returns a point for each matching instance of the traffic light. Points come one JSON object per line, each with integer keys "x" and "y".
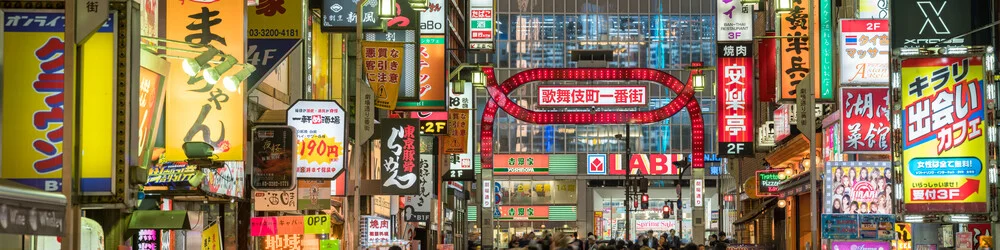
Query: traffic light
{"x": 643, "y": 185}
{"x": 666, "y": 211}
{"x": 645, "y": 201}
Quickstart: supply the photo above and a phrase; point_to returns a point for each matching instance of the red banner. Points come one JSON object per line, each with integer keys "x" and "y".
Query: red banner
{"x": 865, "y": 119}
{"x": 735, "y": 105}
{"x": 766, "y": 65}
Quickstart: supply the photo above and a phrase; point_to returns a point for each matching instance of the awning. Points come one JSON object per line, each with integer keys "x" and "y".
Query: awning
{"x": 43, "y": 212}
{"x": 792, "y": 151}
{"x": 156, "y": 219}
{"x": 757, "y": 211}
{"x": 795, "y": 186}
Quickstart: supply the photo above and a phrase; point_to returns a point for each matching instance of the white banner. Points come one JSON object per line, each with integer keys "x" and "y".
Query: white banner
{"x": 735, "y": 21}
{"x": 864, "y": 51}
{"x": 432, "y": 19}
{"x": 587, "y": 96}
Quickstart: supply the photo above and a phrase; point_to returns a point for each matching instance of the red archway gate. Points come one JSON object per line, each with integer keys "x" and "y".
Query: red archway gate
{"x": 498, "y": 99}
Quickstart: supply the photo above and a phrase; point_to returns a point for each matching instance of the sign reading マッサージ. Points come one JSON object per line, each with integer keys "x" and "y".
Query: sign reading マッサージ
{"x": 864, "y": 51}
{"x": 319, "y": 129}
{"x": 943, "y": 134}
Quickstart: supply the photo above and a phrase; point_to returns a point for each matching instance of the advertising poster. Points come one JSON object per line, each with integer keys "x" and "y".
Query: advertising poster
{"x": 735, "y": 105}
{"x": 655, "y": 225}
{"x": 383, "y": 70}
{"x": 32, "y": 101}
{"x": 735, "y": 21}
{"x": 831, "y": 143}
{"x": 854, "y": 245}
{"x": 147, "y": 108}
{"x": 227, "y": 181}
{"x": 319, "y": 126}
{"x": 274, "y": 200}
{"x": 840, "y": 226}
{"x": 211, "y": 238}
{"x": 858, "y": 188}
{"x": 918, "y": 23}
{"x": 417, "y": 208}
{"x": 274, "y": 28}
{"x": 313, "y": 194}
{"x": 795, "y": 52}
{"x": 537, "y": 164}
{"x": 432, "y": 76}
{"x": 767, "y": 182}
{"x": 399, "y": 164}
{"x": 273, "y": 158}
{"x": 198, "y": 110}
{"x": 904, "y": 236}
{"x": 864, "y": 113}
{"x": 864, "y": 51}
{"x": 375, "y": 230}
{"x": 876, "y": 226}
{"x": 943, "y": 135}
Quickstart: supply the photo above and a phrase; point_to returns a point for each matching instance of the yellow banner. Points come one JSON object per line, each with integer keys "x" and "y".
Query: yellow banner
{"x": 196, "y": 110}
{"x": 33, "y": 103}
{"x": 944, "y": 144}
{"x": 211, "y": 238}
{"x": 383, "y": 69}
{"x": 275, "y": 20}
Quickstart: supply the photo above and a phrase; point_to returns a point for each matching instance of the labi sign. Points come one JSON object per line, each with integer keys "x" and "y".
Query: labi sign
{"x": 767, "y": 182}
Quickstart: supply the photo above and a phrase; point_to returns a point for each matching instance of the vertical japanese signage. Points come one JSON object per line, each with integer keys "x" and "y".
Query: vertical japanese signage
{"x": 481, "y": 24}
{"x": 832, "y": 149}
{"x": 943, "y": 135}
{"x": 864, "y": 52}
{"x": 273, "y": 157}
{"x": 33, "y": 102}
{"x": 782, "y": 122}
{"x": 274, "y": 29}
{"x": 319, "y": 127}
{"x": 767, "y": 182}
{"x": 399, "y": 166}
{"x": 417, "y": 208}
{"x": 735, "y": 21}
{"x": 795, "y": 50}
{"x": 432, "y": 76}
{"x": 736, "y": 103}
{"x": 148, "y": 108}
{"x": 383, "y": 70}
{"x": 458, "y": 132}
{"x": 198, "y": 111}
{"x": 825, "y": 56}
{"x": 864, "y": 112}
{"x": 487, "y": 194}
{"x": 146, "y": 239}
{"x": 211, "y": 238}
{"x": 767, "y": 68}
{"x": 928, "y": 22}
{"x": 432, "y": 19}
{"x": 858, "y": 187}
{"x": 375, "y": 230}
{"x": 699, "y": 192}
{"x": 460, "y": 95}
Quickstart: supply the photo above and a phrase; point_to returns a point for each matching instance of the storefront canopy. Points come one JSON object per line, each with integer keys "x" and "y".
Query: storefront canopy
{"x": 756, "y": 211}
{"x": 29, "y": 211}
{"x": 156, "y": 219}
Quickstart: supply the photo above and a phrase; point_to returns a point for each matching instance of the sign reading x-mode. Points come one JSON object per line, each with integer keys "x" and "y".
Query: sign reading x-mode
{"x": 918, "y": 23}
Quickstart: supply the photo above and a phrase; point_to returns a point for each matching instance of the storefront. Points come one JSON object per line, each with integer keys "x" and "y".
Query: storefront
{"x": 539, "y": 207}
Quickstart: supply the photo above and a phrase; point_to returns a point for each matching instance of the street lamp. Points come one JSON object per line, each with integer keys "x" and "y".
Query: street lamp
{"x": 628, "y": 178}
{"x": 418, "y": 5}
{"x": 682, "y": 166}
{"x": 783, "y": 6}
{"x": 386, "y": 9}
{"x": 698, "y": 75}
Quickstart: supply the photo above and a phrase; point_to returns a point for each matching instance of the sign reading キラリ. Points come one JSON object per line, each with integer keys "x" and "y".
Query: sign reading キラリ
{"x": 943, "y": 135}
{"x": 865, "y": 118}
{"x": 735, "y": 107}
{"x": 587, "y": 96}
{"x": 319, "y": 126}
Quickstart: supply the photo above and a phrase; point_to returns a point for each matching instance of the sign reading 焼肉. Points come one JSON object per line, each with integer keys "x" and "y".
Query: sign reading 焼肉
{"x": 198, "y": 110}
{"x": 735, "y": 105}
{"x": 273, "y": 158}
{"x": 319, "y": 127}
{"x": 943, "y": 135}
{"x": 383, "y": 66}
{"x": 589, "y": 96}
{"x": 768, "y": 182}
{"x": 865, "y": 118}
{"x": 864, "y": 52}
{"x": 399, "y": 162}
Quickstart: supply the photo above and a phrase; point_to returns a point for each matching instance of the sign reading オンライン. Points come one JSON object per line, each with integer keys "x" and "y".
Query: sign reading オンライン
{"x": 943, "y": 135}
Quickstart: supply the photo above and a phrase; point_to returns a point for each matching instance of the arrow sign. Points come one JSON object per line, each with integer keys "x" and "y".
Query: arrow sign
{"x": 265, "y": 54}
{"x": 970, "y": 187}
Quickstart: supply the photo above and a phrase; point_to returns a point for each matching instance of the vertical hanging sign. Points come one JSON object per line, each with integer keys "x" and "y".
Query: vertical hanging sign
{"x": 736, "y": 132}
{"x": 735, "y": 21}
{"x": 825, "y": 59}
{"x": 865, "y": 118}
{"x": 432, "y": 76}
{"x": 864, "y": 52}
{"x": 795, "y": 49}
{"x": 319, "y": 127}
{"x": 399, "y": 164}
{"x": 481, "y": 24}
{"x": 383, "y": 70}
{"x": 199, "y": 110}
{"x": 274, "y": 29}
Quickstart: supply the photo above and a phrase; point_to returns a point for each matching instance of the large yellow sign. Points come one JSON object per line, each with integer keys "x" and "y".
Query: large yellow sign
{"x": 197, "y": 110}
{"x": 383, "y": 63}
{"x": 33, "y": 103}
{"x": 943, "y": 135}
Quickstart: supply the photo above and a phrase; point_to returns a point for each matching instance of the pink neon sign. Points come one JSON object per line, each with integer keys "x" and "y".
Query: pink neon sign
{"x": 499, "y": 100}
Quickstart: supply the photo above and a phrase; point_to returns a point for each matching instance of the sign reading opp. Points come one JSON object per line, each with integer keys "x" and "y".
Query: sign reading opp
{"x": 317, "y": 224}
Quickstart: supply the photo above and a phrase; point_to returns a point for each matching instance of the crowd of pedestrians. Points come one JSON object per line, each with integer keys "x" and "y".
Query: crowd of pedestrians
{"x": 645, "y": 241}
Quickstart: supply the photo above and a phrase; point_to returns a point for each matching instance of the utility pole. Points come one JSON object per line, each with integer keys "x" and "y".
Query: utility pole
{"x": 628, "y": 182}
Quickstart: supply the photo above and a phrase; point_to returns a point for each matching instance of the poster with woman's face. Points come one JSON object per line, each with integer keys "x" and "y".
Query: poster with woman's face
{"x": 858, "y": 188}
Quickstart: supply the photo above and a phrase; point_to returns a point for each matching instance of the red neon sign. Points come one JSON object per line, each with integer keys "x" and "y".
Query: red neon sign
{"x": 499, "y": 100}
